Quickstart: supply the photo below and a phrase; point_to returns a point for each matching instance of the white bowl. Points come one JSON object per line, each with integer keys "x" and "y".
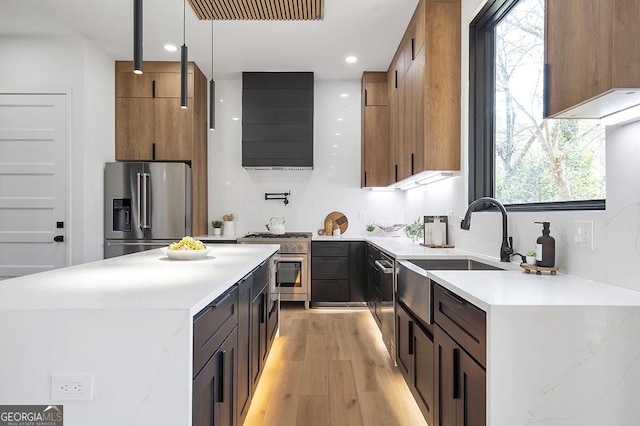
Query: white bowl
{"x": 186, "y": 254}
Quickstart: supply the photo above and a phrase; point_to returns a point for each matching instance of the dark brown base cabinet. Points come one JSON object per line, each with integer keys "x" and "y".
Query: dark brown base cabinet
{"x": 244, "y": 344}
{"x": 460, "y": 383}
{"x": 415, "y": 360}
{"x": 214, "y": 387}
{"x": 232, "y": 338}
{"x": 337, "y": 271}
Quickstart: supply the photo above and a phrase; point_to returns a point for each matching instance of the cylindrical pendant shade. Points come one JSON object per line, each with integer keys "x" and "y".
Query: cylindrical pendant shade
{"x": 137, "y": 36}
{"x": 184, "y": 78}
{"x": 212, "y": 105}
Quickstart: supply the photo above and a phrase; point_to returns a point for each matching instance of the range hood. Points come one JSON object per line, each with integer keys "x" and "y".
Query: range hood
{"x": 277, "y": 120}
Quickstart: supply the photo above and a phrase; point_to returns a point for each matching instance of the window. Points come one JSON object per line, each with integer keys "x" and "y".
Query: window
{"x": 516, "y": 156}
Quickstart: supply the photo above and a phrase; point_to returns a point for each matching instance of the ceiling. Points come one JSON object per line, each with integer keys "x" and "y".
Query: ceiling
{"x": 368, "y": 29}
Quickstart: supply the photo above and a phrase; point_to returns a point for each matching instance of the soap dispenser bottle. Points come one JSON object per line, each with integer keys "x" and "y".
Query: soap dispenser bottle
{"x": 545, "y": 248}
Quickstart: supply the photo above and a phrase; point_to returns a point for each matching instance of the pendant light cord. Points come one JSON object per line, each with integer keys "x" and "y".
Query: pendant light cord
{"x": 212, "y": 48}
{"x": 184, "y": 21}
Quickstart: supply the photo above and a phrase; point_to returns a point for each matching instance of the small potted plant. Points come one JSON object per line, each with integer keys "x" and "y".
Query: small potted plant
{"x": 531, "y": 257}
{"x": 217, "y": 225}
{"x": 370, "y": 229}
{"x": 415, "y": 231}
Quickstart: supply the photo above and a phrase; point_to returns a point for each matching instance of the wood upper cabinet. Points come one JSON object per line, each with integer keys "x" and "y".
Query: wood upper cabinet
{"x": 442, "y": 76}
{"x": 424, "y": 93}
{"x": 590, "y": 51}
{"x": 375, "y": 130}
{"x": 151, "y": 125}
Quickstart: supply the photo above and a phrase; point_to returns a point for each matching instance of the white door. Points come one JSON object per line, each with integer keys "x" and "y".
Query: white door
{"x": 33, "y": 182}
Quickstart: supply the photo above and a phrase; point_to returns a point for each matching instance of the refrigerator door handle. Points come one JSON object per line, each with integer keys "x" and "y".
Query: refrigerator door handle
{"x": 143, "y": 201}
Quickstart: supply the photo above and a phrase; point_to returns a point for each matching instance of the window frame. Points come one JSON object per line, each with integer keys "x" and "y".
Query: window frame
{"x": 482, "y": 117}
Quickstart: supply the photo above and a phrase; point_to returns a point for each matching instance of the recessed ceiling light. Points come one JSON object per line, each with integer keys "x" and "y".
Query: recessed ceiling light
{"x": 335, "y": 146}
{"x": 344, "y": 95}
{"x": 170, "y": 48}
{"x": 235, "y": 118}
{"x": 340, "y": 119}
{"x": 351, "y": 59}
{"x": 337, "y": 134}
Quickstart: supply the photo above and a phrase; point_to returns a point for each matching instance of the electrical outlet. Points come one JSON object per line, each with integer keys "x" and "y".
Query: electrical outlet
{"x": 361, "y": 216}
{"x": 583, "y": 234}
{"x": 77, "y": 387}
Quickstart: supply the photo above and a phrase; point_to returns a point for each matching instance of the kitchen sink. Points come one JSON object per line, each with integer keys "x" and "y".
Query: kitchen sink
{"x": 453, "y": 264}
{"x": 415, "y": 290}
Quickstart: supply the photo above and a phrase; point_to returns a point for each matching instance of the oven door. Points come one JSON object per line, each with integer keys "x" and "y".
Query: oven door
{"x": 290, "y": 274}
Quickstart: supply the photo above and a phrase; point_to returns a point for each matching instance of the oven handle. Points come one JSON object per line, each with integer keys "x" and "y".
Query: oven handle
{"x": 287, "y": 258}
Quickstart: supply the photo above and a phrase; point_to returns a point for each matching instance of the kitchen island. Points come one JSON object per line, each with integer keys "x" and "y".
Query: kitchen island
{"x": 125, "y": 321}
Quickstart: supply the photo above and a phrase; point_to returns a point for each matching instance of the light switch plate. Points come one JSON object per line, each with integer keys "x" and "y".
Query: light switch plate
{"x": 583, "y": 234}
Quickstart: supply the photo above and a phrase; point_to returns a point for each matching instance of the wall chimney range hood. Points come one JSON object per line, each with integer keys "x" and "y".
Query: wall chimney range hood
{"x": 277, "y": 120}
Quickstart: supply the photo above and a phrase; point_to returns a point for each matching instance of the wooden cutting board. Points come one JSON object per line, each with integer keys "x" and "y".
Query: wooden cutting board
{"x": 338, "y": 219}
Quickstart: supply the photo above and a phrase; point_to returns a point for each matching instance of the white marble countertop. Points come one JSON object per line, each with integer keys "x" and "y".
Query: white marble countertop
{"x": 489, "y": 289}
{"x": 146, "y": 280}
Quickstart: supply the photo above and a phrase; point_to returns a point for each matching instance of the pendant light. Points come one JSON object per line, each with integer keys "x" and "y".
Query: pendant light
{"x": 212, "y": 90}
{"x": 184, "y": 54}
{"x": 137, "y": 36}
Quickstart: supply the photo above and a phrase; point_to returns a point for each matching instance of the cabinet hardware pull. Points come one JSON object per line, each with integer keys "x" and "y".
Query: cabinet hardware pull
{"x": 219, "y": 301}
{"x": 153, "y": 151}
{"x": 262, "y": 308}
{"x": 411, "y": 342}
{"x": 153, "y": 88}
{"x": 396, "y": 172}
{"x": 413, "y": 53}
{"x": 456, "y": 373}
{"x": 545, "y": 90}
{"x": 223, "y": 355}
{"x": 365, "y": 97}
{"x": 365, "y": 178}
{"x": 396, "y": 79}
{"x": 412, "y": 172}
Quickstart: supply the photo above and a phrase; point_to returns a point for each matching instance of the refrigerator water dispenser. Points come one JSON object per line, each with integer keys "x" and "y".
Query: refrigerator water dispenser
{"x": 122, "y": 214}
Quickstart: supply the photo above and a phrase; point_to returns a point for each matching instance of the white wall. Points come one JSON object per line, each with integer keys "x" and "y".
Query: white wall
{"x": 333, "y": 184}
{"x": 74, "y": 65}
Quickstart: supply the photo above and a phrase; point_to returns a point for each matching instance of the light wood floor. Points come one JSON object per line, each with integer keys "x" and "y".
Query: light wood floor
{"x": 330, "y": 367}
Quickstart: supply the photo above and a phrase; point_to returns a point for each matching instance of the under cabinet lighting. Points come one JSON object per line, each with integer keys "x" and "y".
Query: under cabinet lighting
{"x": 624, "y": 116}
{"x": 382, "y": 189}
{"x": 435, "y": 178}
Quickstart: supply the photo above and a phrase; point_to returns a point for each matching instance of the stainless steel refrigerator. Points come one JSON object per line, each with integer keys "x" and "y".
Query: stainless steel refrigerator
{"x": 146, "y": 206}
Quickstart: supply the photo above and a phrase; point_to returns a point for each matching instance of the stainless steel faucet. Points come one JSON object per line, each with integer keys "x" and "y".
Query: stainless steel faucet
{"x": 506, "y": 249}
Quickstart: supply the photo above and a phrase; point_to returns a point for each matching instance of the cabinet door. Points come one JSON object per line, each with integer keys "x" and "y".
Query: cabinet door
{"x": 394, "y": 139}
{"x": 213, "y": 387}
{"x": 376, "y": 93}
{"x": 578, "y": 43}
{"x": 403, "y": 147}
{"x": 375, "y": 128}
{"x": 442, "y": 86}
{"x": 330, "y": 290}
{"x": 167, "y": 85}
{"x": 135, "y": 129}
{"x": 173, "y": 129}
{"x": 258, "y": 342}
{"x": 244, "y": 356}
{"x": 404, "y": 334}
{"x": 423, "y": 372}
{"x": 472, "y": 402}
{"x": 415, "y": 113}
{"x": 357, "y": 266}
{"x": 130, "y": 85}
{"x": 445, "y": 386}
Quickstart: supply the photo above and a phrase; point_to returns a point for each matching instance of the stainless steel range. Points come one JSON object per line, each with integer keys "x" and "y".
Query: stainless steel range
{"x": 292, "y": 263}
